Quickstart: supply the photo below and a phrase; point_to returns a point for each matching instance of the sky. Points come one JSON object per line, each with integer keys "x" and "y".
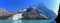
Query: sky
{"x": 18, "y": 4}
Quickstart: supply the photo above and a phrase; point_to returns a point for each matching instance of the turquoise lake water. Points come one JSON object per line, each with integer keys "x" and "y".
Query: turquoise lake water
{"x": 27, "y": 21}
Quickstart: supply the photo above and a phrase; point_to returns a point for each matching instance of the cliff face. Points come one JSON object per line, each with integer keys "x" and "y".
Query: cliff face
{"x": 47, "y": 12}
{"x": 2, "y": 12}
{"x": 33, "y": 14}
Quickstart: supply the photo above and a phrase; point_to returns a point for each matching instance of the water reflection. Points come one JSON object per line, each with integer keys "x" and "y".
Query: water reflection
{"x": 17, "y": 21}
{"x": 27, "y": 21}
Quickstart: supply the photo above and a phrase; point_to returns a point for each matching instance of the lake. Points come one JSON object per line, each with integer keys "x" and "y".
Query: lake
{"x": 27, "y": 21}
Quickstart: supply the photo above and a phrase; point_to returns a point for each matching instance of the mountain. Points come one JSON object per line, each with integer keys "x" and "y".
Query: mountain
{"x": 33, "y": 14}
{"x": 44, "y": 10}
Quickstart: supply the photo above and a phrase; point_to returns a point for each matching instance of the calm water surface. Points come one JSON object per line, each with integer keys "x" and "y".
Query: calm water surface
{"x": 27, "y": 21}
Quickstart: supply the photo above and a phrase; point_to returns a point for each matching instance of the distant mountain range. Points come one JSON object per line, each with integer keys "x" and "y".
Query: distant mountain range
{"x": 44, "y": 10}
